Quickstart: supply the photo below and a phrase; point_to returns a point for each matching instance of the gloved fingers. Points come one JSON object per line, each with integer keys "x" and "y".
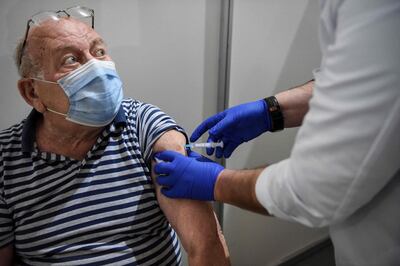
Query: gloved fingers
{"x": 198, "y": 157}
{"x": 168, "y": 192}
{"x": 210, "y": 151}
{"x": 229, "y": 148}
{"x": 223, "y": 126}
{"x": 206, "y": 125}
{"x": 167, "y": 156}
{"x": 218, "y": 152}
{"x": 165, "y": 180}
{"x": 163, "y": 168}
{"x": 204, "y": 159}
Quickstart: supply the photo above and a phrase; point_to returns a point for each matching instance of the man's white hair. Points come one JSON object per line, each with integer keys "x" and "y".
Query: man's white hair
{"x": 29, "y": 67}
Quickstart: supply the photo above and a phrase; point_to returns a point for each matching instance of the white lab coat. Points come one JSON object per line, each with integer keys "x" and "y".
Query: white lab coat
{"x": 343, "y": 171}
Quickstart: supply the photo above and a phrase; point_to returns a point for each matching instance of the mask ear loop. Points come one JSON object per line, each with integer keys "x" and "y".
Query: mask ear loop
{"x": 58, "y": 113}
{"x": 43, "y": 80}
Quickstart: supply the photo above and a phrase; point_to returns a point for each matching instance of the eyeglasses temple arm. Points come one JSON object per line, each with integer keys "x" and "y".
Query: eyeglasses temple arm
{"x": 28, "y": 25}
{"x": 92, "y": 19}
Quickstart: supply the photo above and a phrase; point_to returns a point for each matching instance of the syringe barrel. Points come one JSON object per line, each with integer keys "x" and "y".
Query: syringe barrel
{"x": 209, "y": 144}
{"x": 205, "y": 145}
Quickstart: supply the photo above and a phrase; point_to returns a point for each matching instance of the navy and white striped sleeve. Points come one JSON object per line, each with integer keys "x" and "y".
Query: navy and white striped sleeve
{"x": 151, "y": 124}
{"x": 6, "y": 225}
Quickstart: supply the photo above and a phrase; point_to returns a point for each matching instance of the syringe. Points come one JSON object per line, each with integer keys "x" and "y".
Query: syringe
{"x": 204, "y": 145}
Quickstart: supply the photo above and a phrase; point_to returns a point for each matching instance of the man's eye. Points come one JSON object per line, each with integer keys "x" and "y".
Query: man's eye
{"x": 70, "y": 60}
{"x": 100, "y": 52}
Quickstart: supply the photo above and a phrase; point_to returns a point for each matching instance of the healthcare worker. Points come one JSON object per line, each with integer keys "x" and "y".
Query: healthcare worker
{"x": 343, "y": 171}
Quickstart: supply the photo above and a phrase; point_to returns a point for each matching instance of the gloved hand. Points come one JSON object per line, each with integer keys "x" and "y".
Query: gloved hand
{"x": 234, "y": 126}
{"x": 191, "y": 177}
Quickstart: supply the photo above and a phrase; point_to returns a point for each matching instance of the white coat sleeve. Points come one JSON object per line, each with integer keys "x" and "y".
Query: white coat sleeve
{"x": 348, "y": 147}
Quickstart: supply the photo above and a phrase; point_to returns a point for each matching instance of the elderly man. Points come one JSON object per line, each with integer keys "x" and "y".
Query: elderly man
{"x": 75, "y": 183}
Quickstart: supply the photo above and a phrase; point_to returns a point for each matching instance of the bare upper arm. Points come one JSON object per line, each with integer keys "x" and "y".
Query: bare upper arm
{"x": 6, "y": 255}
{"x": 184, "y": 215}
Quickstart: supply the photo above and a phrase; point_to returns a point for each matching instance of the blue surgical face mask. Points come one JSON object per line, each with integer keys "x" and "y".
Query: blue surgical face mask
{"x": 94, "y": 91}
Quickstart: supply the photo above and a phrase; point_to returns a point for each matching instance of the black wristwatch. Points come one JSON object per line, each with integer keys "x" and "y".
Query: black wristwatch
{"x": 276, "y": 114}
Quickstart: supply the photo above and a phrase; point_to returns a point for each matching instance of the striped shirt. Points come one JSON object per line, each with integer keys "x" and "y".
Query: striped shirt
{"x": 101, "y": 210}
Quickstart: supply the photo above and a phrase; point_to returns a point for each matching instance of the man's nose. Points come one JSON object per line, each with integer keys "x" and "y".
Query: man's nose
{"x": 87, "y": 56}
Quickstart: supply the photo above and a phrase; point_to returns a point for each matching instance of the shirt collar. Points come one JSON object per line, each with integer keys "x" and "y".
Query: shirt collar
{"x": 29, "y": 128}
{"x": 29, "y": 131}
{"x": 120, "y": 118}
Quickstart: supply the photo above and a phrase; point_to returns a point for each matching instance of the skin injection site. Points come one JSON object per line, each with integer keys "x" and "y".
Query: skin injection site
{"x": 200, "y": 132}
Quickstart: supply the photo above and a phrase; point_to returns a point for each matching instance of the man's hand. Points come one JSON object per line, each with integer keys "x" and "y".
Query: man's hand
{"x": 190, "y": 177}
{"x": 234, "y": 126}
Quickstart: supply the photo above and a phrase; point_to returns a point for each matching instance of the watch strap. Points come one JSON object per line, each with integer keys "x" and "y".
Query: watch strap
{"x": 274, "y": 110}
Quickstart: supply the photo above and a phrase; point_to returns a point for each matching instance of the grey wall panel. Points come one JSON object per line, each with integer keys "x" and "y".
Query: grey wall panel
{"x": 166, "y": 52}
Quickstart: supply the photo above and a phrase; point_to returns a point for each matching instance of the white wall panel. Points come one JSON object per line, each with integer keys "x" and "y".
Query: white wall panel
{"x": 274, "y": 47}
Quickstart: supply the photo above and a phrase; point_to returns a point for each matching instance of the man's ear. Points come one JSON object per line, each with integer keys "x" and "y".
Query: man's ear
{"x": 28, "y": 92}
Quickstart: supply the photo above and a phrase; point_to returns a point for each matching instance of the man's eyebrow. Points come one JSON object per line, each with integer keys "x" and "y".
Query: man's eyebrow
{"x": 59, "y": 50}
{"x": 98, "y": 41}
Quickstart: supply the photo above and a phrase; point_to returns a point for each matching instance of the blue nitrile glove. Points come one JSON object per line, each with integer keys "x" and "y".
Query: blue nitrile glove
{"x": 191, "y": 177}
{"x": 234, "y": 126}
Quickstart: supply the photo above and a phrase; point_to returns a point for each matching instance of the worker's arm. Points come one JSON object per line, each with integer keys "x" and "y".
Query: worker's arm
{"x": 194, "y": 221}
{"x": 237, "y": 187}
{"x": 6, "y": 255}
{"x": 247, "y": 121}
{"x": 294, "y": 103}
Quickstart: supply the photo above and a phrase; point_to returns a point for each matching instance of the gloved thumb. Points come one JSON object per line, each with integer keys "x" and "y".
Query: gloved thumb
{"x": 193, "y": 154}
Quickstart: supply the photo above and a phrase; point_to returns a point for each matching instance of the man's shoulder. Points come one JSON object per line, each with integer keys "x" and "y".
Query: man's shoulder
{"x": 134, "y": 108}
{"x": 130, "y": 104}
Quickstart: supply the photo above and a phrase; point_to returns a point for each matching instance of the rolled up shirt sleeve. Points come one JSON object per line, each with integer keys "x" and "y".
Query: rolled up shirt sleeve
{"x": 348, "y": 147}
{"x": 151, "y": 124}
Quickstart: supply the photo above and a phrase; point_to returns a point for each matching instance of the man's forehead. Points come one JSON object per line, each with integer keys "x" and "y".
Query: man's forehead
{"x": 63, "y": 28}
{"x": 54, "y": 36}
